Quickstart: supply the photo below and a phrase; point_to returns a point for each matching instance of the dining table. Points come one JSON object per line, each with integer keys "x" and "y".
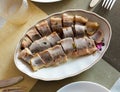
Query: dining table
{"x": 105, "y": 72}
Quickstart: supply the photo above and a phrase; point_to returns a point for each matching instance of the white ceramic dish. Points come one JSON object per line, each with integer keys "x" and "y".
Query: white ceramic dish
{"x": 72, "y": 67}
{"x": 45, "y": 1}
{"x": 83, "y": 86}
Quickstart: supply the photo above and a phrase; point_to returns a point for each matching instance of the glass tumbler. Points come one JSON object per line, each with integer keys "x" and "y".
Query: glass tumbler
{"x": 14, "y": 11}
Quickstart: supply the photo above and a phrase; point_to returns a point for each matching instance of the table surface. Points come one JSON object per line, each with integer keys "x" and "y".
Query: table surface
{"x": 102, "y": 72}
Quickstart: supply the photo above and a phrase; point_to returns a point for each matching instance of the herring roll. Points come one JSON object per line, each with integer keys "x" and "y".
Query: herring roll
{"x": 81, "y": 47}
{"x": 98, "y": 36}
{"x": 67, "y": 32}
{"x": 47, "y": 58}
{"x": 40, "y": 45}
{"x": 58, "y": 54}
{"x": 26, "y": 55}
{"x": 79, "y": 30}
{"x": 33, "y": 34}
{"x": 68, "y": 20}
{"x": 53, "y": 38}
{"x": 92, "y": 27}
{"x": 80, "y": 20}
{"x": 84, "y": 46}
{"x": 25, "y": 42}
{"x": 36, "y": 62}
{"x": 67, "y": 45}
{"x": 91, "y": 45}
{"x": 43, "y": 28}
{"x": 56, "y": 24}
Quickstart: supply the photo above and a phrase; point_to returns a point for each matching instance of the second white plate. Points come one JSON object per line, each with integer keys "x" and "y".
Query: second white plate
{"x": 83, "y": 86}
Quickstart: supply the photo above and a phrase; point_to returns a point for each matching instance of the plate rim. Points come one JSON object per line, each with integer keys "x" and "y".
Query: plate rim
{"x": 74, "y": 74}
{"x": 43, "y": 1}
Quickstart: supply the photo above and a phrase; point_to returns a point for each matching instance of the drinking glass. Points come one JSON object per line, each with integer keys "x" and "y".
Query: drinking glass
{"x": 14, "y": 11}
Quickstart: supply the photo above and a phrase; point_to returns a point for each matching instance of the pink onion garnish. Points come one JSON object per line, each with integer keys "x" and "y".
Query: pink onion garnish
{"x": 99, "y": 45}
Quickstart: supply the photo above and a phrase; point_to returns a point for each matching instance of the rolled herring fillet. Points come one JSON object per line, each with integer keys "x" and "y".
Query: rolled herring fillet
{"x": 98, "y": 36}
{"x": 91, "y": 45}
{"x": 43, "y": 28}
{"x": 68, "y": 20}
{"x": 25, "y": 55}
{"x": 80, "y": 20}
{"x": 58, "y": 54}
{"x": 25, "y": 42}
{"x": 47, "y": 58}
{"x": 56, "y": 24}
{"x": 81, "y": 47}
{"x": 84, "y": 46}
{"x": 53, "y": 38}
{"x": 68, "y": 46}
{"x": 33, "y": 34}
{"x": 79, "y": 30}
{"x": 67, "y": 32}
{"x": 91, "y": 27}
{"x": 40, "y": 45}
{"x": 36, "y": 62}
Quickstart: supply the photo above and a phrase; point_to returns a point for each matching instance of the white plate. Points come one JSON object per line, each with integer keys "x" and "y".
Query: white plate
{"x": 46, "y": 1}
{"x": 72, "y": 67}
{"x": 83, "y": 86}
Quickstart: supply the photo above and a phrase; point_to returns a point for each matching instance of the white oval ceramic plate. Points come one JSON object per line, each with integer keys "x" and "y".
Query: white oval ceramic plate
{"x": 83, "y": 86}
{"x": 45, "y": 1}
{"x": 74, "y": 66}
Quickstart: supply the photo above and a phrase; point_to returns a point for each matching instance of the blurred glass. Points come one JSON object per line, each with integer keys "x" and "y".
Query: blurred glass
{"x": 14, "y": 11}
{"x": 2, "y": 22}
